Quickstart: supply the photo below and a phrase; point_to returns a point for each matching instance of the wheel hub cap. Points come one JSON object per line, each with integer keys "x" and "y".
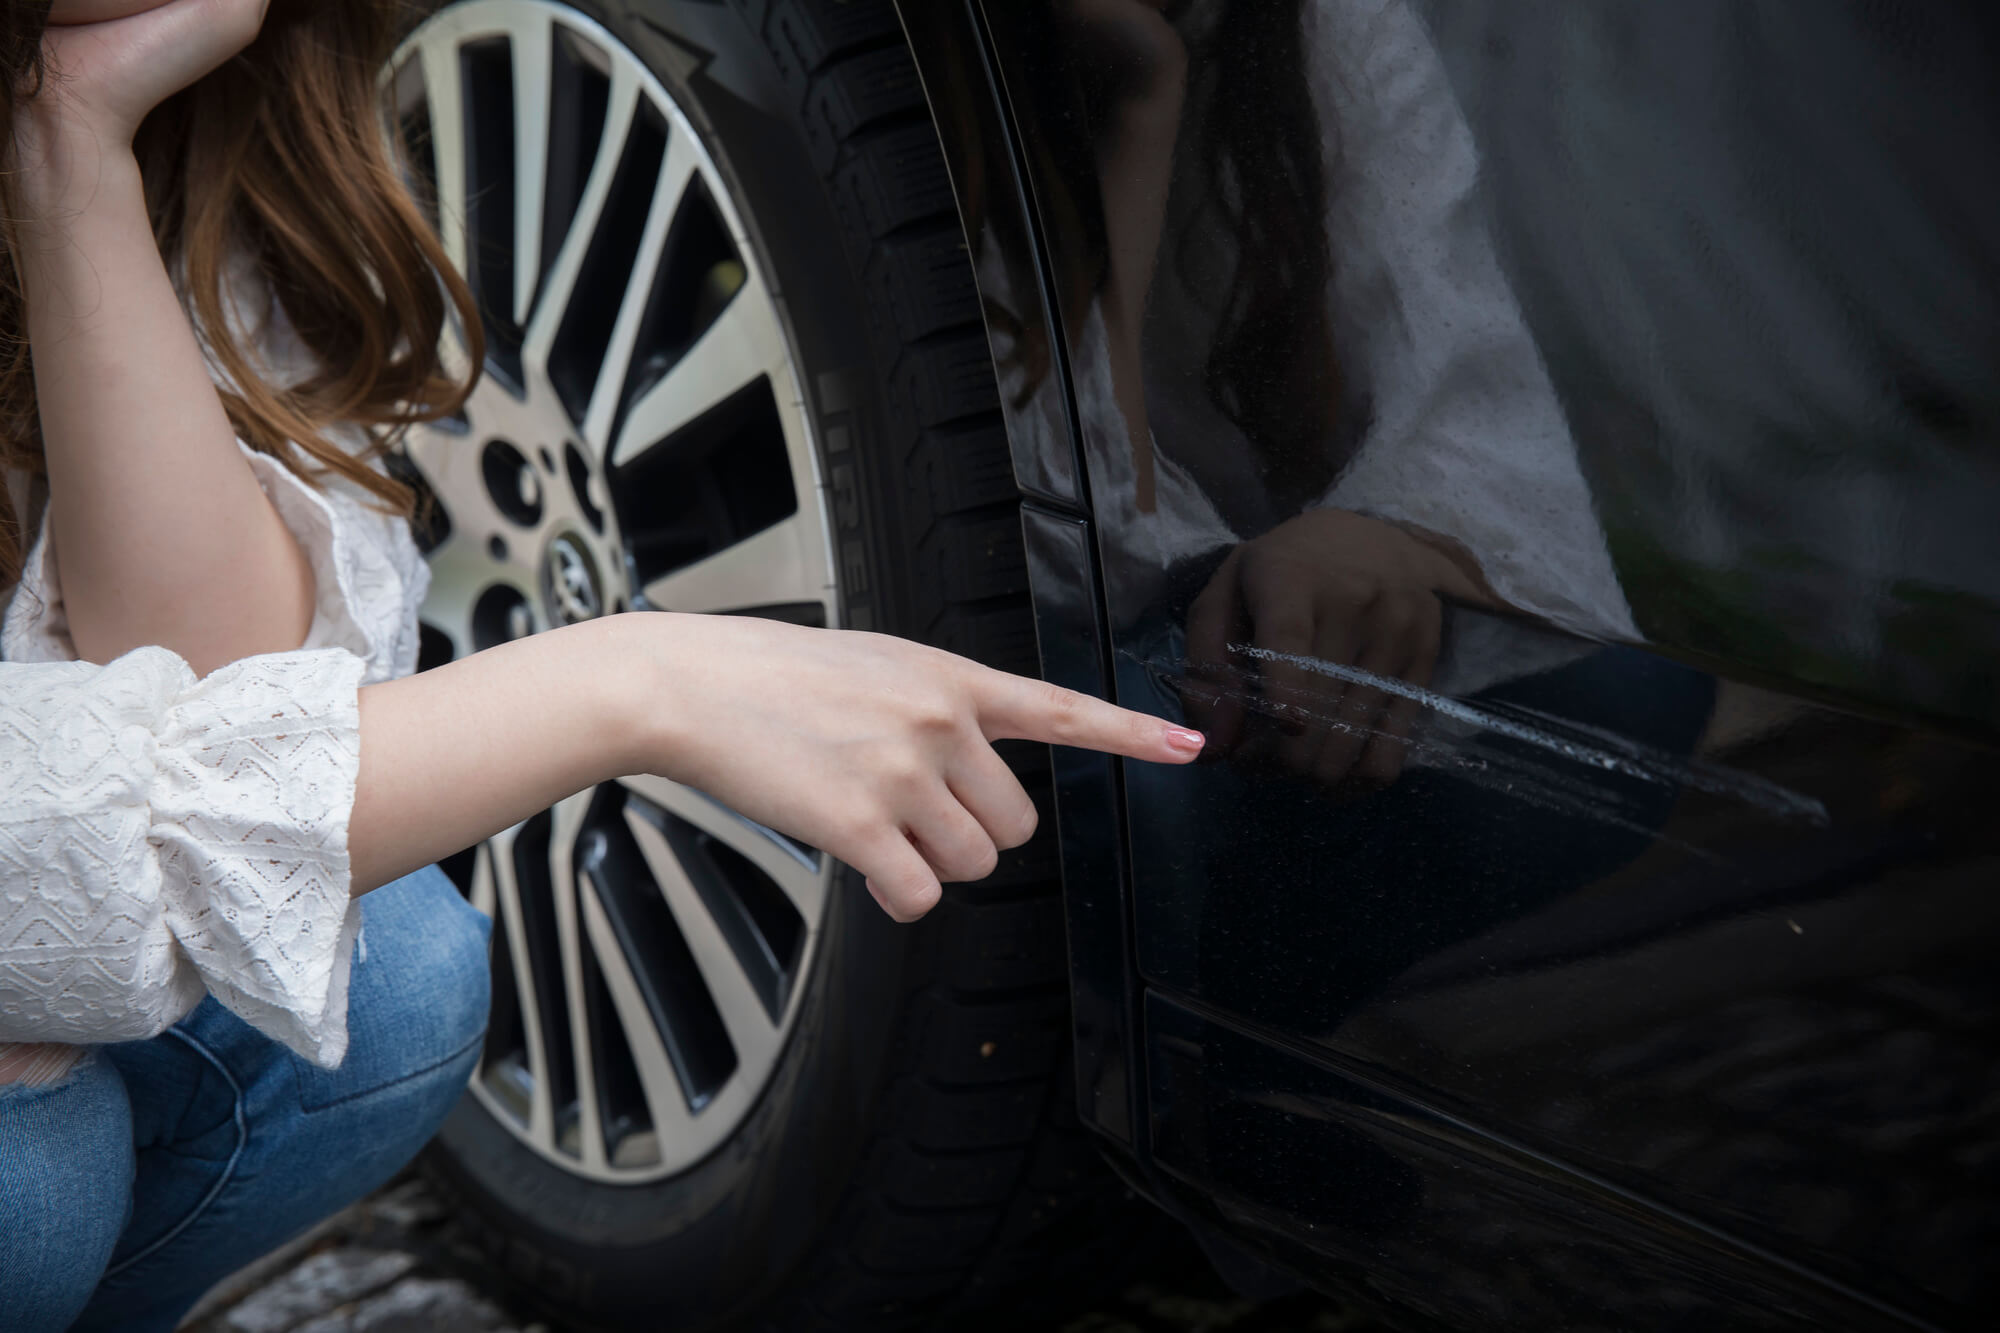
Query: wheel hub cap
{"x": 570, "y": 587}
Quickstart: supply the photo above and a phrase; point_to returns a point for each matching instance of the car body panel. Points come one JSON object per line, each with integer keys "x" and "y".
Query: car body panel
{"x": 1550, "y": 450}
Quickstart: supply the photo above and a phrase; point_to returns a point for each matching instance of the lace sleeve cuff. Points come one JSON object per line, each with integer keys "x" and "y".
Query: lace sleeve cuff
{"x": 163, "y": 837}
{"x": 256, "y": 773}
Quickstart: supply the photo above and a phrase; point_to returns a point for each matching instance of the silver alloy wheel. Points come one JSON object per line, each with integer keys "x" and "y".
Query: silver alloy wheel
{"x": 637, "y": 441}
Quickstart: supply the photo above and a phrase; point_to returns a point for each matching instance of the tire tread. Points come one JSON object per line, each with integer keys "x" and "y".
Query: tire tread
{"x": 983, "y": 1061}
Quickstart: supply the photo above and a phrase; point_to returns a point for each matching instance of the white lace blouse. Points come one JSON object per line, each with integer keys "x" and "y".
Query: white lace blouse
{"x": 163, "y": 837}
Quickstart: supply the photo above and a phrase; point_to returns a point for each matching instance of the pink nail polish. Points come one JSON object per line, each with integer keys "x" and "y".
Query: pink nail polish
{"x": 1186, "y": 741}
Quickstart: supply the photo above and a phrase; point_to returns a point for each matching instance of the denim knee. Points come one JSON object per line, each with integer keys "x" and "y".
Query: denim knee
{"x": 307, "y": 1141}
{"x": 66, "y": 1163}
{"x": 417, "y": 995}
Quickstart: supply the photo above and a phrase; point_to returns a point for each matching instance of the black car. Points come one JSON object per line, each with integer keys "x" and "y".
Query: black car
{"x": 1552, "y": 450}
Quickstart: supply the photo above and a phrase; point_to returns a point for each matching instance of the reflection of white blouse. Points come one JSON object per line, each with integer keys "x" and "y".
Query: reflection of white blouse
{"x": 1466, "y": 439}
{"x": 163, "y": 837}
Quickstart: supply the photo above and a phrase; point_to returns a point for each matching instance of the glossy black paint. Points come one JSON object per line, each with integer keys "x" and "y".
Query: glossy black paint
{"x": 990, "y": 180}
{"x": 1551, "y": 449}
{"x": 1089, "y": 810}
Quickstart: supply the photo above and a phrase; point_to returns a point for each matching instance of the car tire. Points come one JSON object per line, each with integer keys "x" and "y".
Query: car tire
{"x": 913, "y": 1153}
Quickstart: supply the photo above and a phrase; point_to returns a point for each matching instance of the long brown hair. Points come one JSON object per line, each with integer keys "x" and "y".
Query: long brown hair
{"x": 1270, "y": 367}
{"x": 279, "y": 157}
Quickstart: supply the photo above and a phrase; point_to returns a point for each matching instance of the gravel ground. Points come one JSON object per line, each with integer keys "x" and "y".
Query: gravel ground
{"x": 393, "y": 1263}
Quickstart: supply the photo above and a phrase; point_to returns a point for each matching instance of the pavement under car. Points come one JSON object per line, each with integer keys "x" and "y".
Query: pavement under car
{"x": 396, "y": 1263}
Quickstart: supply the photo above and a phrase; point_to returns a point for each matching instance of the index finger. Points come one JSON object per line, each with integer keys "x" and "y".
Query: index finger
{"x": 1017, "y": 708}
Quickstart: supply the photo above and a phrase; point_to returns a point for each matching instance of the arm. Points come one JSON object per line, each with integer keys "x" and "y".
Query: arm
{"x": 205, "y": 836}
{"x": 873, "y": 748}
{"x": 1135, "y": 161}
{"x": 162, "y": 532}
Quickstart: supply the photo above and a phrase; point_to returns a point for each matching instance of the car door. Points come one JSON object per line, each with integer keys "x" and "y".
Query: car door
{"x": 1551, "y": 452}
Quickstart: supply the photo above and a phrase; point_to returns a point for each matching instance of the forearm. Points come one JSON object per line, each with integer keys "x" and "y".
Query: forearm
{"x": 455, "y": 755}
{"x": 1135, "y": 163}
{"x": 162, "y": 533}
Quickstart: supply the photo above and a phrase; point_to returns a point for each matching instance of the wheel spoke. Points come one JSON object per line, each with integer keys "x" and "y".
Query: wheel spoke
{"x": 665, "y": 1101}
{"x": 751, "y": 1030}
{"x": 796, "y": 870}
{"x": 483, "y": 897}
{"x": 742, "y": 345}
{"x": 507, "y": 888}
{"x": 567, "y": 821}
{"x": 449, "y": 463}
{"x": 531, "y": 43}
{"x": 447, "y": 108}
{"x": 675, "y": 173}
{"x": 647, "y": 941}
{"x": 783, "y": 563}
{"x": 552, "y": 303}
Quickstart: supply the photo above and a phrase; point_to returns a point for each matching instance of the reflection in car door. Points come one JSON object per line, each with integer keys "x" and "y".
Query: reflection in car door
{"x": 1550, "y": 453}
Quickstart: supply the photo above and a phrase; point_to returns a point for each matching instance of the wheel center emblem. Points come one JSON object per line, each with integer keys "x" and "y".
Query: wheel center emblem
{"x": 569, "y": 582}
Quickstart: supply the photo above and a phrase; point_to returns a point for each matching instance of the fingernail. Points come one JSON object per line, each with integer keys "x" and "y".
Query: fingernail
{"x": 1186, "y": 741}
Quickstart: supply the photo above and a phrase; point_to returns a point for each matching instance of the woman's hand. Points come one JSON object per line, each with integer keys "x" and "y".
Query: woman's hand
{"x": 876, "y": 749}
{"x": 1341, "y": 588}
{"x": 873, "y": 749}
{"x": 112, "y": 61}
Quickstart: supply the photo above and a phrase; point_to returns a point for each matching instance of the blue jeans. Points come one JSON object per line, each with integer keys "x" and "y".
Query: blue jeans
{"x": 159, "y": 1167}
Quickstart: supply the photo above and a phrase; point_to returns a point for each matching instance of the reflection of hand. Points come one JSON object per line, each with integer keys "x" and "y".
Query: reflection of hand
{"x": 1342, "y": 588}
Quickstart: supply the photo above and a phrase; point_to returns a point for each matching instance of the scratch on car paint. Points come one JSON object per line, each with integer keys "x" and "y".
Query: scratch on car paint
{"x": 1537, "y": 783}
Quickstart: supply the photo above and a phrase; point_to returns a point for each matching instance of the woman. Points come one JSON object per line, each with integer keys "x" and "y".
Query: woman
{"x": 207, "y": 1038}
